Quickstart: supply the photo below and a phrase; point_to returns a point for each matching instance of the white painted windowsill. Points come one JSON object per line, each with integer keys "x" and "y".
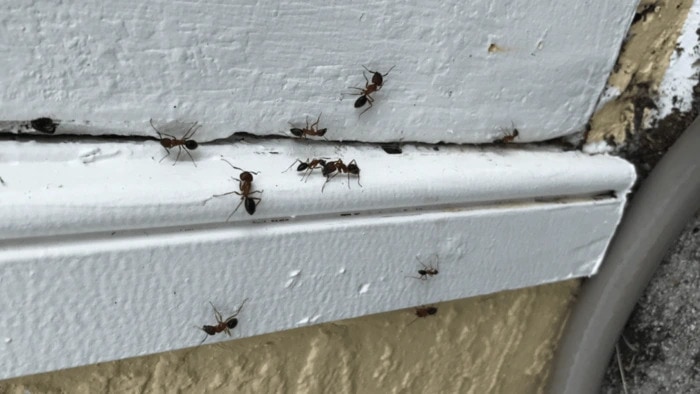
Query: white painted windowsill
{"x": 100, "y": 250}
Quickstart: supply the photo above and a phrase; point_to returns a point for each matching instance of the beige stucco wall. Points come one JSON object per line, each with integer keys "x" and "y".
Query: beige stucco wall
{"x": 501, "y": 343}
{"x": 640, "y": 68}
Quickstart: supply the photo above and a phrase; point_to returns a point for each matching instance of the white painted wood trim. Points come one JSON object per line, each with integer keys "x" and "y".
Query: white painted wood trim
{"x": 253, "y": 66}
{"x": 108, "y": 256}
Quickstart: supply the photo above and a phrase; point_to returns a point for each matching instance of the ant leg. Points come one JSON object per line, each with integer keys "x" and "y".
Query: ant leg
{"x": 307, "y": 174}
{"x": 422, "y": 277}
{"x": 295, "y": 162}
{"x": 369, "y": 101}
{"x": 234, "y": 211}
{"x": 421, "y": 263}
{"x": 219, "y": 319}
{"x": 328, "y": 178}
{"x": 412, "y": 321}
{"x": 167, "y": 153}
{"x": 191, "y": 158}
{"x": 179, "y": 150}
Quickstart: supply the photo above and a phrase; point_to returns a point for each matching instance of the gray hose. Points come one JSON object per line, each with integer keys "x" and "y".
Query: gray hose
{"x": 661, "y": 208}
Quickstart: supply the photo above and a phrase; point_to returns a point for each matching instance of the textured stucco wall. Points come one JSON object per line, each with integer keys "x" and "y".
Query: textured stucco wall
{"x": 500, "y": 343}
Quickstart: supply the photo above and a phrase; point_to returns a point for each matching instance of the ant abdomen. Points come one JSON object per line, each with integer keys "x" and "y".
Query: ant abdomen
{"x": 361, "y": 101}
{"x": 190, "y": 144}
{"x": 250, "y": 206}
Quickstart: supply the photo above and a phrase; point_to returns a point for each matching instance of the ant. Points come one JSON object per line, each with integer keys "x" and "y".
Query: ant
{"x": 44, "y": 125}
{"x": 375, "y": 86}
{"x": 338, "y": 167}
{"x": 428, "y": 270}
{"x": 244, "y": 184}
{"x": 184, "y": 142}
{"x": 508, "y": 137}
{"x": 308, "y": 166}
{"x": 222, "y": 325}
{"x": 423, "y": 311}
{"x": 313, "y": 130}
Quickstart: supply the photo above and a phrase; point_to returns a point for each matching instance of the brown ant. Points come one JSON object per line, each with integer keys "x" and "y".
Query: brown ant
{"x": 423, "y": 311}
{"x": 375, "y": 86}
{"x": 244, "y": 184}
{"x": 428, "y": 270}
{"x": 308, "y": 166}
{"x": 222, "y": 325}
{"x": 184, "y": 142}
{"x": 337, "y": 167}
{"x": 312, "y": 130}
{"x": 44, "y": 125}
{"x": 508, "y": 137}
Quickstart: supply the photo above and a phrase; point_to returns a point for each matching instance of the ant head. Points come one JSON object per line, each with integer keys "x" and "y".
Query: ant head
{"x": 377, "y": 78}
{"x": 210, "y": 330}
{"x": 302, "y": 167}
{"x": 191, "y": 144}
{"x": 297, "y": 132}
{"x": 353, "y": 169}
{"x": 250, "y": 208}
{"x": 515, "y": 132}
{"x": 431, "y": 310}
{"x": 322, "y": 132}
{"x": 232, "y": 323}
{"x": 246, "y": 176}
{"x": 361, "y": 101}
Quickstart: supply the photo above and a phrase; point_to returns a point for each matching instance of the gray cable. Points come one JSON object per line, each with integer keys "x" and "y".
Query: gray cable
{"x": 661, "y": 208}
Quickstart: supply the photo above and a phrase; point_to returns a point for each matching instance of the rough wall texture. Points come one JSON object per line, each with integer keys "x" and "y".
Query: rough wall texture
{"x": 640, "y": 67}
{"x": 500, "y": 343}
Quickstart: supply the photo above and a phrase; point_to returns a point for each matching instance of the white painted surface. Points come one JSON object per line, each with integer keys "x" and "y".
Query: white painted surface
{"x": 113, "y": 255}
{"x": 677, "y": 87}
{"x": 107, "y": 254}
{"x": 125, "y": 188}
{"x": 108, "y": 67}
